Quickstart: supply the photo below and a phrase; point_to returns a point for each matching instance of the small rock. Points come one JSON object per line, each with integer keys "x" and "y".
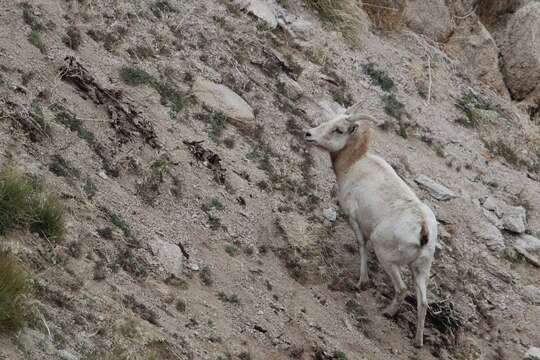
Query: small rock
{"x": 263, "y": 11}
{"x": 292, "y": 89}
{"x": 221, "y": 98}
{"x": 489, "y": 233}
{"x": 491, "y": 204}
{"x": 194, "y": 267}
{"x": 438, "y": 191}
{"x": 169, "y": 255}
{"x": 330, "y": 214}
{"x": 102, "y": 175}
{"x": 533, "y": 353}
{"x": 65, "y": 355}
{"x": 302, "y": 28}
{"x": 531, "y": 294}
{"x": 515, "y": 219}
{"x": 493, "y": 218}
{"x": 529, "y": 247}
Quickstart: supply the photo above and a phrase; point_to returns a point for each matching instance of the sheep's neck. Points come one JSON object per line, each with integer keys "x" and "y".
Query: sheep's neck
{"x": 343, "y": 160}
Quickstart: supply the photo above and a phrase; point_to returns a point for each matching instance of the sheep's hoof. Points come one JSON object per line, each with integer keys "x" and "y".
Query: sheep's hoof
{"x": 418, "y": 343}
{"x": 363, "y": 285}
{"x": 391, "y": 311}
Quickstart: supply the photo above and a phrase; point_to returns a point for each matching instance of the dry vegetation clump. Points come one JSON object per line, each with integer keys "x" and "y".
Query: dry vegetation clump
{"x": 24, "y": 206}
{"x": 73, "y": 38}
{"x": 14, "y": 288}
{"x": 467, "y": 103}
{"x": 490, "y": 11}
{"x": 346, "y": 15}
{"x": 385, "y": 14}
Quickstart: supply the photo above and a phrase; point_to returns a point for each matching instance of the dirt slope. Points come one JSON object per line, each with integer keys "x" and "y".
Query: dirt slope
{"x": 268, "y": 275}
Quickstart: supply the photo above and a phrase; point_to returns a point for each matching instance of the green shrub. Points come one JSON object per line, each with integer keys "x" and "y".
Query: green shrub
{"x": 76, "y": 125}
{"x": 467, "y": 103}
{"x": 90, "y": 189}
{"x": 232, "y": 249}
{"x": 170, "y": 96}
{"x": 340, "y": 355}
{"x": 35, "y": 39}
{"x": 63, "y": 168}
{"x": 135, "y": 76}
{"x": 117, "y": 220}
{"x": 393, "y": 107}
{"x": 378, "y": 77}
{"x": 29, "y": 18}
{"x": 14, "y": 288}
{"x": 218, "y": 123}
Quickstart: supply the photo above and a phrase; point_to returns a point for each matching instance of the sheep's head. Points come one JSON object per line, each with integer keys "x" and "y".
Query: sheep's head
{"x": 335, "y": 134}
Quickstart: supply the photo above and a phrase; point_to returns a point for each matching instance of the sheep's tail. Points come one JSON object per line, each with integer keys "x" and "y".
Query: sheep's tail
{"x": 424, "y": 233}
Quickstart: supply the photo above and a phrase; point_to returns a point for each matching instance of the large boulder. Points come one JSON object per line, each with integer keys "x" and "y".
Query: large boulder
{"x": 520, "y": 49}
{"x": 220, "y": 98}
{"x": 430, "y": 18}
{"x": 474, "y": 46}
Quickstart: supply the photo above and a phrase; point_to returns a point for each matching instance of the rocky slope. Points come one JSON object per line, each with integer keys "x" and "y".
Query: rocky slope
{"x": 198, "y": 224}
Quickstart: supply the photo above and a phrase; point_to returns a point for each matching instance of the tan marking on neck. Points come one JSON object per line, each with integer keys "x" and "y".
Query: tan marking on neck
{"x": 356, "y": 148}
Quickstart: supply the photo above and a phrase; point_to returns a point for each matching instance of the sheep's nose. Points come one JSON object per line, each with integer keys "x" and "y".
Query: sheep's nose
{"x": 307, "y": 134}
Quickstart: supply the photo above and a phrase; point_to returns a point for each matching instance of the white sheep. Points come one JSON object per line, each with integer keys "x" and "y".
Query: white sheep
{"x": 380, "y": 207}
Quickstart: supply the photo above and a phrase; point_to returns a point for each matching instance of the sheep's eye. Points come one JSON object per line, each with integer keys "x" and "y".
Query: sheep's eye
{"x": 338, "y": 131}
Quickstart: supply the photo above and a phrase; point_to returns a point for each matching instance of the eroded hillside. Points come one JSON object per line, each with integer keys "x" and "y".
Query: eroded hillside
{"x": 198, "y": 225}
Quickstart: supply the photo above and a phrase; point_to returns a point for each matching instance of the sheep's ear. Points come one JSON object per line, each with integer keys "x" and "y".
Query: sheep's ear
{"x": 352, "y": 128}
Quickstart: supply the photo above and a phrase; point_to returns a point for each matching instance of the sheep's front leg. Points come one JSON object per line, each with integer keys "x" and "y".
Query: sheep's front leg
{"x": 362, "y": 248}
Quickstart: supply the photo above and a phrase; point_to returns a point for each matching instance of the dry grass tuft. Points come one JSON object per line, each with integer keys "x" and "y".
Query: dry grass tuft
{"x": 15, "y": 198}
{"x": 14, "y": 287}
{"x": 23, "y": 206}
{"x": 47, "y": 218}
{"x": 346, "y": 15}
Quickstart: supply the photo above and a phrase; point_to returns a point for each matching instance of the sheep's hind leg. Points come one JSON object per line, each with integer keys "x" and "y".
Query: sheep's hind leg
{"x": 420, "y": 276}
{"x": 400, "y": 289}
{"x": 362, "y": 249}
